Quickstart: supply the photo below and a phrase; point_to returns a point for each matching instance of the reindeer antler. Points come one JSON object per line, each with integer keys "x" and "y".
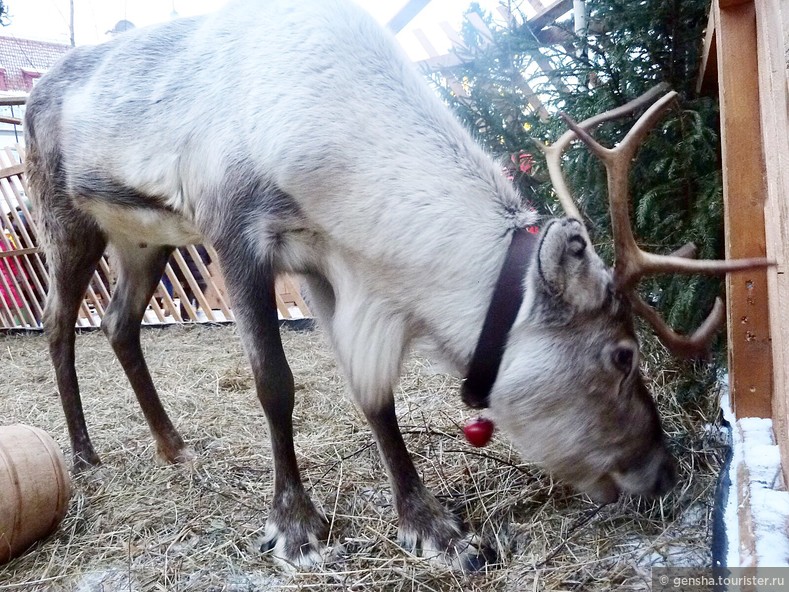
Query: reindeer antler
{"x": 632, "y": 263}
{"x": 553, "y": 153}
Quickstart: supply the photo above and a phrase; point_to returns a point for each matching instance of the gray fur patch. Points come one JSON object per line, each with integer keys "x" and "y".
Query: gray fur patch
{"x": 94, "y": 185}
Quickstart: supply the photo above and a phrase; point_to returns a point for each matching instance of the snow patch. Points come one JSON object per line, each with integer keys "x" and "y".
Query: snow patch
{"x": 755, "y": 449}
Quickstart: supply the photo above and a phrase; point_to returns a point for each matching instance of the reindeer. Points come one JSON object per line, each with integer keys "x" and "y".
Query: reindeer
{"x": 197, "y": 130}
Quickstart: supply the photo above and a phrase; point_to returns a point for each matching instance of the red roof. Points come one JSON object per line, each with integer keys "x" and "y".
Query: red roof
{"x": 24, "y": 60}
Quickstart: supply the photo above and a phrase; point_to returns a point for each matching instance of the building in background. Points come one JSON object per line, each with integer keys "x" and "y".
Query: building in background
{"x": 22, "y": 62}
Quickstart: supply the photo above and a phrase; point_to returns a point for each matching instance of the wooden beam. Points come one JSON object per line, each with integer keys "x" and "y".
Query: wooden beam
{"x": 732, "y": 3}
{"x": 772, "y": 20}
{"x": 453, "y": 36}
{"x": 550, "y": 14}
{"x": 406, "y": 14}
{"x": 476, "y": 21}
{"x": 748, "y": 331}
{"x": 707, "y": 81}
{"x": 424, "y": 41}
{"x": 19, "y": 252}
{"x": 17, "y": 169}
{"x": 9, "y": 101}
{"x": 517, "y": 78}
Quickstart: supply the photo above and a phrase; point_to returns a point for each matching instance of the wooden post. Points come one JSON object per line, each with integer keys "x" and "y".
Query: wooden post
{"x": 750, "y": 355}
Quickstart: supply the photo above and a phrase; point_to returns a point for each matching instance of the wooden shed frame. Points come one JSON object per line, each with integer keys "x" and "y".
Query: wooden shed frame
{"x": 746, "y": 50}
{"x": 746, "y": 55}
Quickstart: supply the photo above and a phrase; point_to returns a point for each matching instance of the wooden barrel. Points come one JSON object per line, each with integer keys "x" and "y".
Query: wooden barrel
{"x": 34, "y": 488}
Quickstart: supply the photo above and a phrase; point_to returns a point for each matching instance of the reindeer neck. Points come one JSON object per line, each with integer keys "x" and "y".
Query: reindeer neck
{"x": 504, "y": 306}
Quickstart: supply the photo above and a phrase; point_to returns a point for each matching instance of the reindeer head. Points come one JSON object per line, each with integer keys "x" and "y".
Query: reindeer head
{"x": 569, "y": 390}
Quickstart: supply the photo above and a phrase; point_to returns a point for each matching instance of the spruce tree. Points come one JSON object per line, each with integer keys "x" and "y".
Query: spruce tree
{"x": 629, "y": 47}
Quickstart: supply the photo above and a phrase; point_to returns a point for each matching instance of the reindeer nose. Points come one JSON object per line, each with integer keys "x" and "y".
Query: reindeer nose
{"x": 665, "y": 478}
{"x": 651, "y": 475}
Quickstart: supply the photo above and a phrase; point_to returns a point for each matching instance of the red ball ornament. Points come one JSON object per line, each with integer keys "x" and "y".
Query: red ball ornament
{"x": 478, "y": 431}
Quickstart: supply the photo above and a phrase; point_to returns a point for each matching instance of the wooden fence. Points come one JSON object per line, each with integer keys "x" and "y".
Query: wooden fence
{"x": 191, "y": 289}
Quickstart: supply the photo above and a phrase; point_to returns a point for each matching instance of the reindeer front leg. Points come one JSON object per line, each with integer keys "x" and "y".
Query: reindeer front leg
{"x": 295, "y": 529}
{"x": 426, "y": 528}
{"x": 370, "y": 342}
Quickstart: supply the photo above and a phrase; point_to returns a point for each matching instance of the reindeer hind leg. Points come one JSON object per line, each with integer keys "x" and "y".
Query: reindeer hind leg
{"x": 139, "y": 270}
{"x": 73, "y": 245}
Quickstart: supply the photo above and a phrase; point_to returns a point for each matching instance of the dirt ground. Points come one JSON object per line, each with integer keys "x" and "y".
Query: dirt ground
{"x": 135, "y": 524}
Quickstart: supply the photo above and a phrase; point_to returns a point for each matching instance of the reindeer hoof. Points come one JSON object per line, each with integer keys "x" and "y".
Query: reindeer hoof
{"x": 185, "y": 455}
{"x": 475, "y": 556}
{"x": 293, "y": 549}
{"x": 85, "y": 460}
{"x": 175, "y": 455}
{"x": 466, "y": 553}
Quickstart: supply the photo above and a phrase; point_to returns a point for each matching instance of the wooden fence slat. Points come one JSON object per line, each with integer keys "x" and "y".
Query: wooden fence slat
{"x": 13, "y": 294}
{"x": 290, "y": 293}
{"x": 216, "y": 286}
{"x": 104, "y": 268}
{"x": 537, "y": 5}
{"x": 198, "y": 293}
{"x": 92, "y": 298}
{"x": 19, "y": 252}
{"x": 156, "y": 309}
{"x": 10, "y": 171}
{"x": 16, "y": 287}
{"x": 209, "y": 279}
{"x": 32, "y": 299}
{"x": 12, "y": 101}
{"x": 550, "y": 14}
{"x": 22, "y": 258}
{"x": 179, "y": 289}
{"x": 168, "y": 305}
{"x": 27, "y": 240}
{"x": 5, "y": 310}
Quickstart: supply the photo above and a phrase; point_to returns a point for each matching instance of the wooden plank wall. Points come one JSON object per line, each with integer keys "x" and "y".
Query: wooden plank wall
{"x": 772, "y": 25}
{"x": 751, "y": 45}
{"x": 751, "y": 40}
{"x": 191, "y": 289}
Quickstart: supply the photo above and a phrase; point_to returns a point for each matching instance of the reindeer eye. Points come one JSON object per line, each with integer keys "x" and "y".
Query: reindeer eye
{"x": 623, "y": 357}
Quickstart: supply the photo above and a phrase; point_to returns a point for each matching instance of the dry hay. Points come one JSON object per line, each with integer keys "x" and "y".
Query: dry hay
{"x": 138, "y": 525}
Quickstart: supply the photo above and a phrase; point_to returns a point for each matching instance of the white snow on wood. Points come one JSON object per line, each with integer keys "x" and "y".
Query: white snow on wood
{"x": 754, "y": 449}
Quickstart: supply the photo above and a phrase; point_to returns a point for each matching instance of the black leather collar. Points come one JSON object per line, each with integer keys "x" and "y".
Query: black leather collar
{"x": 504, "y": 307}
